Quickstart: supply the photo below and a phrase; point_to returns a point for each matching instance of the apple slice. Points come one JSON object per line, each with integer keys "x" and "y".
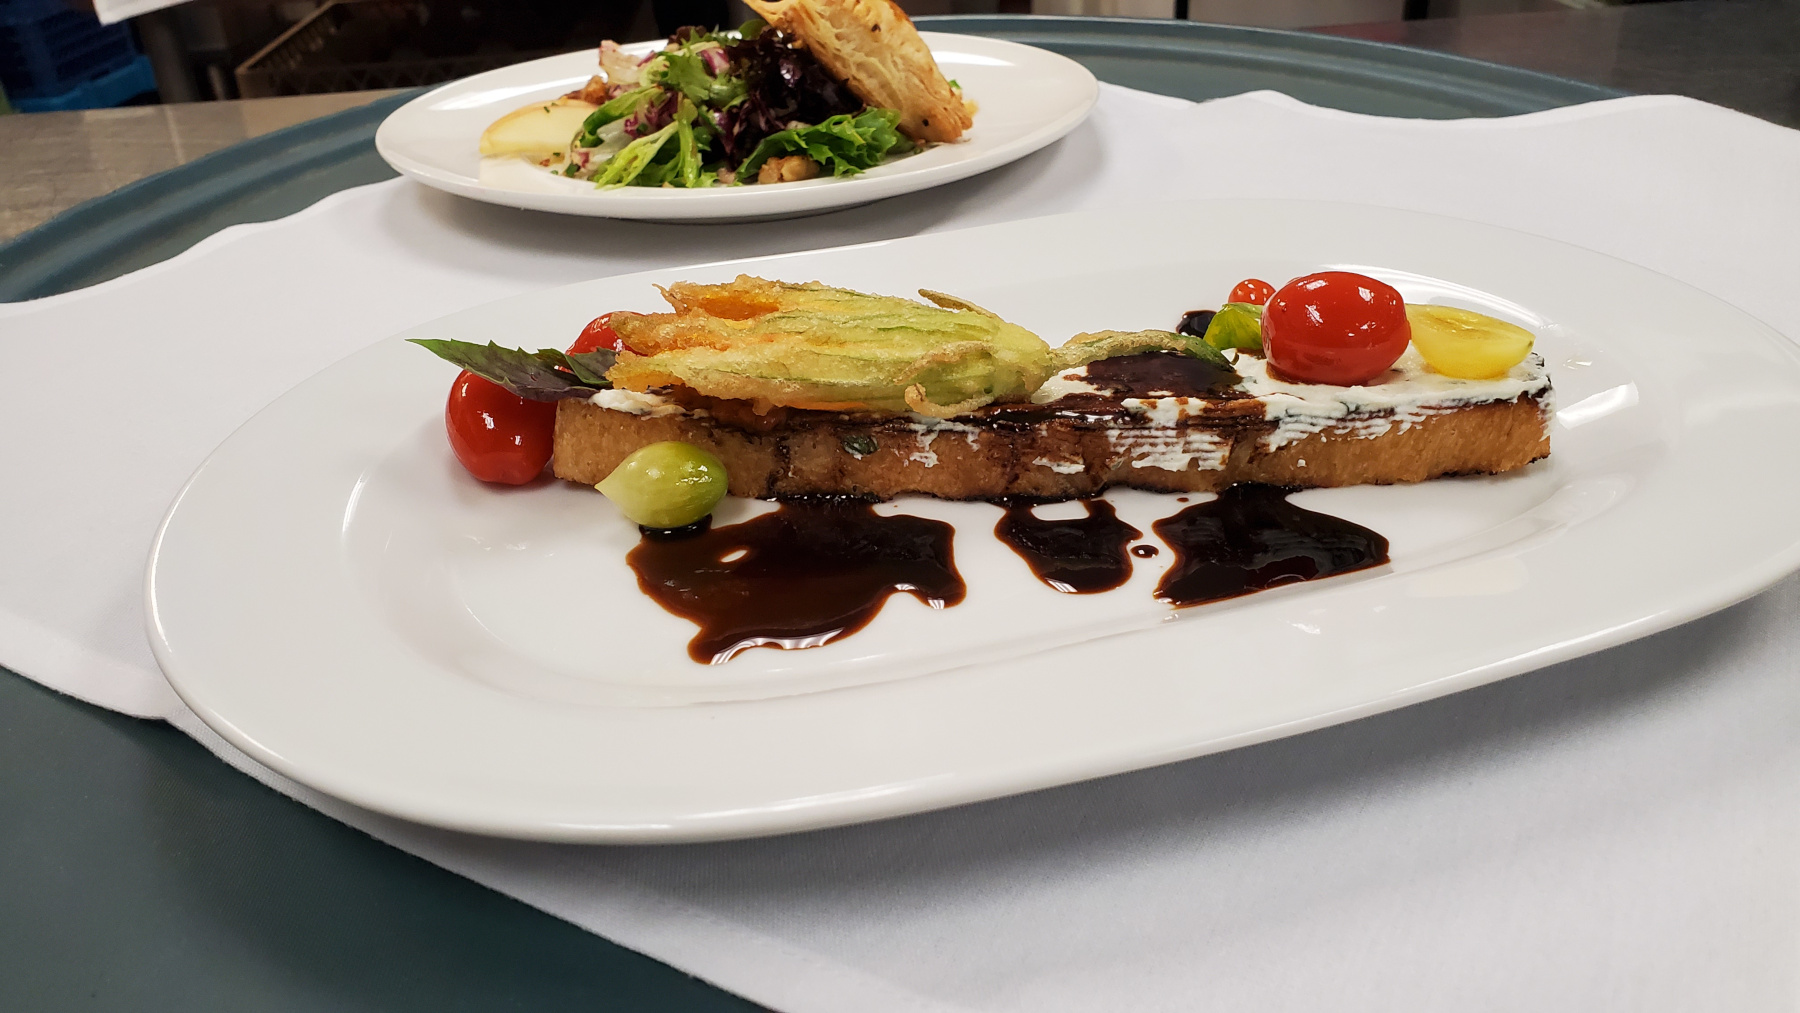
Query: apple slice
{"x": 537, "y": 131}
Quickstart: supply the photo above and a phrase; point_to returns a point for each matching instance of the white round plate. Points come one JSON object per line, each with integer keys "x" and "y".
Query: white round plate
{"x": 1027, "y": 98}
{"x": 338, "y": 599}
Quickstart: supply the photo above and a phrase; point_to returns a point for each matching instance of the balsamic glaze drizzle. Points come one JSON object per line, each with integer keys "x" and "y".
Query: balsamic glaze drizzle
{"x": 817, "y": 570}
{"x": 1251, "y": 538}
{"x": 810, "y": 572}
{"x": 1082, "y": 555}
{"x": 1162, "y": 374}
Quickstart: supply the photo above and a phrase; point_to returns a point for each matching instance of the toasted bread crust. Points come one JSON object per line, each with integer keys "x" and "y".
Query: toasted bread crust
{"x": 871, "y": 46}
{"x": 814, "y": 454}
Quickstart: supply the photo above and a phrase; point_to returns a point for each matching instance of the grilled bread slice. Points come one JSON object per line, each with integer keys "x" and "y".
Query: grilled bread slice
{"x": 1089, "y": 430}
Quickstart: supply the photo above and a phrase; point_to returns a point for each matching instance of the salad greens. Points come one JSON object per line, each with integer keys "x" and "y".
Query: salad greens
{"x": 714, "y": 107}
{"x": 844, "y": 144}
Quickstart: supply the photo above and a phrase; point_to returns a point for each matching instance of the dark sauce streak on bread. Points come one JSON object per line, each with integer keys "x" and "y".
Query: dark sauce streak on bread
{"x": 1146, "y": 375}
{"x": 1163, "y": 374}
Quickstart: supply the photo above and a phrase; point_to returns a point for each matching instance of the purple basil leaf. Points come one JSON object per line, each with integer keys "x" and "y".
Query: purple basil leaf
{"x": 591, "y": 366}
{"x": 526, "y": 374}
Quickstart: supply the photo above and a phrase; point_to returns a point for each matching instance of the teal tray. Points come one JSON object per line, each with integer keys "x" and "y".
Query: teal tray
{"x": 139, "y": 873}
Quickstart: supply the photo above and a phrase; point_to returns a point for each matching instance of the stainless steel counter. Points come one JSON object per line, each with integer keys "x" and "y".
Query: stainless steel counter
{"x": 54, "y": 161}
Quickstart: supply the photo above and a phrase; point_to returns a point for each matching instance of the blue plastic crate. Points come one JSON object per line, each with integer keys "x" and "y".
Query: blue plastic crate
{"x": 48, "y": 52}
{"x": 111, "y": 89}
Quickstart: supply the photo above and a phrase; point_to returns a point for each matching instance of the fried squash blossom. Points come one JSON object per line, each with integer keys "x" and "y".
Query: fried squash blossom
{"x": 812, "y": 346}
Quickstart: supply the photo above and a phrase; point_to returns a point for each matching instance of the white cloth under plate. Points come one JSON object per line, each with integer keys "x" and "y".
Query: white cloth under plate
{"x": 1621, "y": 832}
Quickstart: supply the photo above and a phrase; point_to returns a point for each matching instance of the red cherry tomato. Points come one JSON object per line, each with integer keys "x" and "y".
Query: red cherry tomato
{"x": 599, "y": 334}
{"x": 1335, "y": 327}
{"x": 1254, "y": 290}
{"x": 496, "y": 434}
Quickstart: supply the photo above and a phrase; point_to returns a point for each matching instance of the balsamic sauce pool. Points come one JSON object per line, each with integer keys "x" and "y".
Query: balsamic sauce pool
{"x": 1082, "y": 555}
{"x": 1251, "y": 539}
{"x": 814, "y": 571}
{"x": 808, "y": 573}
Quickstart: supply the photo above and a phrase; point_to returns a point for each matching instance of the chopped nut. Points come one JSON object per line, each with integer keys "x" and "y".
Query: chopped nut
{"x": 787, "y": 169}
{"x": 594, "y": 91}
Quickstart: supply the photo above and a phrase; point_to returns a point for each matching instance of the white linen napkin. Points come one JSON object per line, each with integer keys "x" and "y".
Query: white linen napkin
{"x": 1614, "y": 832}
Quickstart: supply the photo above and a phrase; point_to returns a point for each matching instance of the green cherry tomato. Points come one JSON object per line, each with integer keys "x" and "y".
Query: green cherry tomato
{"x": 1236, "y": 325}
{"x": 666, "y": 485}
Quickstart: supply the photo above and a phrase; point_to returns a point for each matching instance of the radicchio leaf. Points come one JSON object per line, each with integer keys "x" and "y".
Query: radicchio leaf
{"x": 652, "y": 115}
{"x": 784, "y": 85}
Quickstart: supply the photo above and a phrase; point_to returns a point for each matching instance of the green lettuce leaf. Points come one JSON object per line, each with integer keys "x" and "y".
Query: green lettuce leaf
{"x": 689, "y": 172}
{"x": 682, "y": 70}
{"x": 616, "y": 108}
{"x": 843, "y": 144}
{"x": 673, "y": 156}
{"x": 625, "y": 168}
{"x": 543, "y": 375}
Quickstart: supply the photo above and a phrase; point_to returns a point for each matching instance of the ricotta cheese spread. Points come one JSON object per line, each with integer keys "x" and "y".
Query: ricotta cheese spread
{"x": 1406, "y": 394}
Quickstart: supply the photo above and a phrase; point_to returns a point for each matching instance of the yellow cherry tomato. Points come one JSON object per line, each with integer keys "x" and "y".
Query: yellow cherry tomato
{"x": 1466, "y": 344}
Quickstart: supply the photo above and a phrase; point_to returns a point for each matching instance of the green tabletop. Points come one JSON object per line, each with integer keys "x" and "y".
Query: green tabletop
{"x": 139, "y": 873}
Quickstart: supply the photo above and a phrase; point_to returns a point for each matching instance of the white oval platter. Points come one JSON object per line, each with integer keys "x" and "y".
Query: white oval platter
{"x": 338, "y": 599}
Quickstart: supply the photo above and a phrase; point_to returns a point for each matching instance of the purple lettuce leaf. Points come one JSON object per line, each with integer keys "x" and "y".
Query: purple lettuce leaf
{"x": 785, "y": 85}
